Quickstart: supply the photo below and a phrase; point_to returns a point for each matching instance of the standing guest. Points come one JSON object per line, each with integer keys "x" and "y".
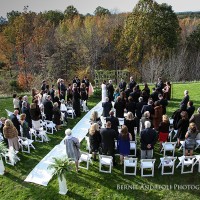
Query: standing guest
{"x": 131, "y": 122}
{"x": 122, "y": 85}
{"x": 148, "y": 140}
{"x": 154, "y": 94}
{"x": 146, "y": 117}
{"x": 72, "y": 147}
{"x": 15, "y": 120}
{"x": 35, "y": 115}
{"x": 16, "y": 102}
{"x": 123, "y": 98}
{"x": 62, "y": 89}
{"x": 163, "y": 130}
{"x": 78, "y": 82}
{"x": 2, "y": 123}
{"x": 43, "y": 86}
{"x": 148, "y": 107}
{"x": 131, "y": 105}
{"x": 87, "y": 83}
{"x": 56, "y": 98}
{"x": 145, "y": 96}
{"x": 11, "y": 134}
{"x": 167, "y": 91}
{"x": 26, "y": 111}
{"x": 190, "y": 109}
{"x": 127, "y": 92}
{"x": 110, "y": 90}
{"x": 108, "y": 136}
{"x": 56, "y": 116}
{"x": 107, "y": 106}
{"x": 163, "y": 102}
{"x": 160, "y": 85}
{"x": 25, "y": 126}
{"x": 114, "y": 121}
{"x": 83, "y": 92}
{"x": 123, "y": 143}
{"x": 95, "y": 119}
{"x": 116, "y": 94}
{"x": 95, "y": 139}
{"x": 25, "y": 98}
{"x": 119, "y": 106}
{"x": 47, "y": 89}
{"x": 182, "y": 126}
{"x": 196, "y": 119}
{"x": 76, "y": 102}
{"x": 132, "y": 83}
{"x": 139, "y": 107}
{"x": 58, "y": 85}
{"x": 48, "y": 108}
{"x": 190, "y": 139}
{"x": 52, "y": 93}
{"x": 103, "y": 91}
{"x": 146, "y": 89}
{"x": 157, "y": 117}
{"x": 69, "y": 93}
{"x": 185, "y": 100}
{"x": 20, "y": 103}
{"x": 134, "y": 94}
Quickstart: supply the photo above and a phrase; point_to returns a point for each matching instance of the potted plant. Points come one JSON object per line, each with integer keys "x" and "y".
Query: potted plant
{"x": 3, "y": 150}
{"x": 60, "y": 167}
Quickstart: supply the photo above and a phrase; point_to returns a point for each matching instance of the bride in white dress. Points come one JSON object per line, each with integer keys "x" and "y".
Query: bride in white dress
{"x": 103, "y": 91}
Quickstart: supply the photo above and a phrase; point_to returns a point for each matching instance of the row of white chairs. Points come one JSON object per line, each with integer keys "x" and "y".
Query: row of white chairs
{"x": 145, "y": 164}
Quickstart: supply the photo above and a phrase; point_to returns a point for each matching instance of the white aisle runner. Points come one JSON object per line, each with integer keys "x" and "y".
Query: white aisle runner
{"x": 41, "y": 174}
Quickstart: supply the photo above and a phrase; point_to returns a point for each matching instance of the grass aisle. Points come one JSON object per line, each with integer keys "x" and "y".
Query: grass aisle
{"x": 94, "y": 185}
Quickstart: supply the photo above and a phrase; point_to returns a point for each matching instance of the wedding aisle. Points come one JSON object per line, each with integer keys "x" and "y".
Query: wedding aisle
{"x": 41, "y": 174}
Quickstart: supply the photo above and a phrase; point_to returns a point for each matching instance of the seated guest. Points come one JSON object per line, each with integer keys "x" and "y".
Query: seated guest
{"x": 56, "y": 115}
{"x": 108, "y": 136}
{"x": 95, "y": 119}
{"x": 163, "y": 130}
{"x": 15, "y": 120}
{"x": 95, "y": 139}
{"x": 148, "y": 139}
{"x": 11, "y": 134}
{"x": 107, "y": 106}
{"x": 131, "y": 122}
{"x": 114, "y": 121}
{"x": 196, "y": 119}
{"x": 190, "y": 109}
{"x": 72, "y": 147}
{"x": 190, "y": 139}
{"x": 24, "y": 125}
{"x": 123, "y": 143}
{"x": 119, "y": 106}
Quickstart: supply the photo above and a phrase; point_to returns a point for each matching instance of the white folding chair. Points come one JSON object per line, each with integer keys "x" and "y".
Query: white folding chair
{"x": 9, "y": 113}
{"x": 186, "y": 161}
{"x": 121, "y": 121}
{"x": 168, "y": 146}
{"x": 197, "y": 161}
{"x": 40, "y": 136}
{"x": 103, "y": 121}
{"x": 71, "y": 112}
{"x": 130, "y": 163}
{"x": 167, "y": 161}
{"x": 26, "y": 144}
{"x": 182, "y": 147}
{"x": 147, "y": 164}
{"x": 1, "y": 137}
{"x": 133, "y": 147}
{"x": 85, "y": 157}
{"x": 88, "y": 144}
{"x": 50, "y": 126}
{"x": 107, "y": 161}
{"x": 197, "y": 141}
{"x": 171, "y": 133}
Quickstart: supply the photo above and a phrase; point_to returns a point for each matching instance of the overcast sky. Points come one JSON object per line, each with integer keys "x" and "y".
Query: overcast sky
{"x": 89, "y": 6}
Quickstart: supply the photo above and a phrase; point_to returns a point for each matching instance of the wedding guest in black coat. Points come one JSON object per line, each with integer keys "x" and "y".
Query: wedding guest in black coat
{"x": 114, "y": 121}
{"x": 108, "y": 136}
{"x": 110, "y": 90}
{"x": 15, "y": 121}
{"x": 119, "y": 106}
{"x": 163, "y": 102}
{"x": 139, "y": 107}
{"x": 122, "y": 85}
{"x": 159, "y": 85}
{"x": 56, "y": 115}
{"x": 107, "y": 106}
{"x": 76, "y": 102}
{"x": 132, "y": 83}
{"x": 26, "y": 111}
{"x": 52, "y": 93}
{"x": 185, "y": 100}
{"x": 148, "y": 107}
{"x": 48, "y": 108}
{"x": 62, "y": 89}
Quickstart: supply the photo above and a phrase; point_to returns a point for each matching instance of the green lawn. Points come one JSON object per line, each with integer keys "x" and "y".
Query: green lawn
{"x": 92, "y": 184}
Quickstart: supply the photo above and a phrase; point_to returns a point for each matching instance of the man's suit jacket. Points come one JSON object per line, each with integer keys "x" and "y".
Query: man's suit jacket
{"x": 15, "y": 121}
{"x": 114, "y": 122}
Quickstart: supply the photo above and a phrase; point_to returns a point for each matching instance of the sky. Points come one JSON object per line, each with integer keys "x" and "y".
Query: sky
{"x": 89, "y": 6}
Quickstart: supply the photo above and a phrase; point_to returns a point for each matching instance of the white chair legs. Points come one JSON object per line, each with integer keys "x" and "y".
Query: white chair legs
{"x": 186, "y": 161}
{"x": 85, "y": 157}
{"x": 167, "y": 162}
{"x": 107, "y": 161}
{"x": 147, "y": 164}
{"x": 131, "y": 163}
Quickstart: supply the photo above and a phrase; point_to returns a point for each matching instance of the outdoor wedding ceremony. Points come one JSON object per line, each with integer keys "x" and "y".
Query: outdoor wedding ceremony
{"x": 99, "y": 99}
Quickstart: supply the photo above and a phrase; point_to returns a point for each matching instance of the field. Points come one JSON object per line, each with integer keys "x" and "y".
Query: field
{"x": 94, "y": 185}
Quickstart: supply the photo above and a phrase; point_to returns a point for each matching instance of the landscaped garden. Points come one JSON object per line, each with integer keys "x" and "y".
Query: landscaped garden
{"x": 92, "y": 184}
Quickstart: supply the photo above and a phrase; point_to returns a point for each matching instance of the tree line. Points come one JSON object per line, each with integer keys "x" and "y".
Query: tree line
{"x": 150, "y": 41}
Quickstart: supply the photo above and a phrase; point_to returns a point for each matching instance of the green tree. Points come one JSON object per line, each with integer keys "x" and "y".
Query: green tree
{"x": 70, "y": 12}
{"x": 12, "y": 15}
{"x": 100, "y": 11}
{"x": 53, "y": 16}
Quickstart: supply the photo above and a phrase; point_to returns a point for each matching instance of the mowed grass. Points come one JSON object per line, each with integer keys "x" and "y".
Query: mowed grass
{"x": 92, "y": 184}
